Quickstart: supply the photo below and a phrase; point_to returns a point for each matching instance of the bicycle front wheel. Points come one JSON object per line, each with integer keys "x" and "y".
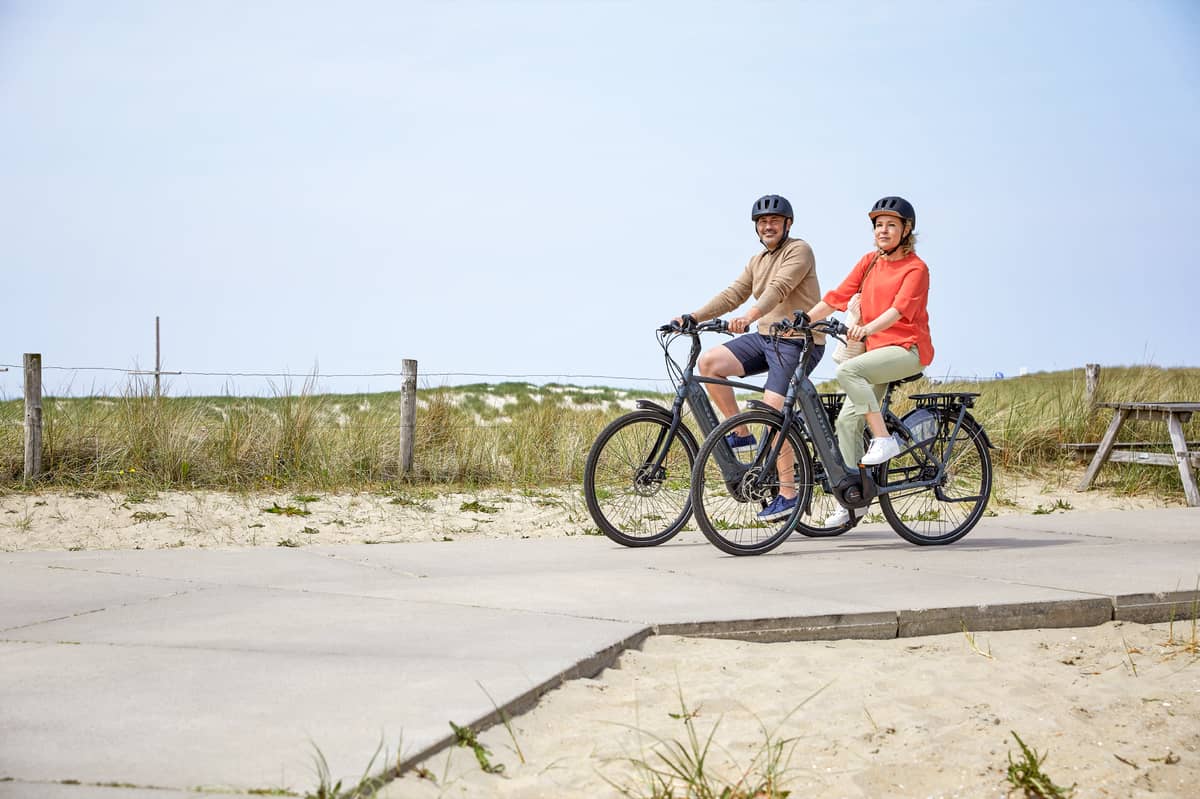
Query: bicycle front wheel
{"x": 631, "y": 499}
{"x": 942, "y": 513}
{"x": 727, "y": 505}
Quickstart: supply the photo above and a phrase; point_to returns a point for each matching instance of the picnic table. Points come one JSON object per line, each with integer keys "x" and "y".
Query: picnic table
{"x": 1175, "y": 414}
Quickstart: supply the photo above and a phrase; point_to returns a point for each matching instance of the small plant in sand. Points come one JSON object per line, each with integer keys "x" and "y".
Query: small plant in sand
{"x": 465, "y": 737}
{"x": 1058, "y": 504}
{"x": 1189, "y": 645}
{"x": 675, "y": 769}
{"x": 506, "y": 721}
{"x": 367, "y": 786}
{"x": 475, "y": 506}
{"x": 286, "y": 510}
{"x": 1026, "y": 775}
{"x": 970, "y": 636}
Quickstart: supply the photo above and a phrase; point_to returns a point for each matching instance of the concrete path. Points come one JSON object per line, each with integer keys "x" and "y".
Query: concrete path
{"x": 173, "y": 673}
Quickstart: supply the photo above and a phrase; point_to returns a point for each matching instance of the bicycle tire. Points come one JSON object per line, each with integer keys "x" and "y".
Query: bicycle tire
{"x": 941, "y": 514}
{"x": 631, "y": 507}
{"x": 728, "y": 514}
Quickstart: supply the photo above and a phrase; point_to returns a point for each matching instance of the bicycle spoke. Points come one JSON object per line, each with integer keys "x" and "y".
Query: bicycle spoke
{"x": 632, "y": 500}
{"x": 727, "y": 509}
{"x": 942, "y": 513}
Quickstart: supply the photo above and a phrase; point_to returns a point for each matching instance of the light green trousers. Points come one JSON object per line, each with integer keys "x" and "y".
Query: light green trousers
{"x": 864, "y": 379}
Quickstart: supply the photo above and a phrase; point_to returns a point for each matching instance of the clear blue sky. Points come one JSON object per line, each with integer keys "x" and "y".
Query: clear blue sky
{"x": 531, "y": 187}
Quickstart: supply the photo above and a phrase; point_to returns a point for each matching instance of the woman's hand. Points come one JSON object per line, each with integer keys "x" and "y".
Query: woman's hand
{"x": 740, "y": 324}
{"x": 857, "y": 333}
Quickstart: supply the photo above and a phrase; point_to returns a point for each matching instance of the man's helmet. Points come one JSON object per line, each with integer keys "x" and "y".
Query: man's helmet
{"x": 896, "y": 206}
{"x": 771, "y": 204}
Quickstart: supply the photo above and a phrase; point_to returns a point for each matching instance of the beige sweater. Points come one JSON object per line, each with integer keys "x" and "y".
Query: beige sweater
{"x": 783, "y": 280}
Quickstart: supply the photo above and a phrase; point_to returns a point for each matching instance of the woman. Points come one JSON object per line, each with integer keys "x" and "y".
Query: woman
{"x": 894, "y": 324}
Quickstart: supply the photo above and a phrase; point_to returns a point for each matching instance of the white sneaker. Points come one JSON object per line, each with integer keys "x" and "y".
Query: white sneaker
{"x": 882, "y": 450}
{"x": 842, "y": 516}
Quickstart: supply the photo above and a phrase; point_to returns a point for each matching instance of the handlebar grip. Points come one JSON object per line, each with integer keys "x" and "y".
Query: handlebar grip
{"x": 838, "y": 328}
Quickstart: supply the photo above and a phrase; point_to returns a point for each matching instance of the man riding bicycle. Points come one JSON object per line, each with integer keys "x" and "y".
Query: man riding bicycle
{"x": 783, "y": 278}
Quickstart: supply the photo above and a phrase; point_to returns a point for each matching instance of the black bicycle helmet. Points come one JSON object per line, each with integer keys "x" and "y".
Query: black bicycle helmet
{"x": 897, "y": 206}
{"x": 771, "y": 204}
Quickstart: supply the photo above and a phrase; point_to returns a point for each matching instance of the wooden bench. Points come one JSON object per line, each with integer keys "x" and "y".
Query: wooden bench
{"x": 1085, "y": 452}
{"x": 1176, "y": 415}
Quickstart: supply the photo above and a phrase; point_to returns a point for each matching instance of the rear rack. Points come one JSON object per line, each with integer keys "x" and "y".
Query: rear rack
{"x": 950, "y": 401}
{"x": 833, "y": 405}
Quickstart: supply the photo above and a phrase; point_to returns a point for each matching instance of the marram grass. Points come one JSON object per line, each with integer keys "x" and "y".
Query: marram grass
{"x": 502, "y": 435}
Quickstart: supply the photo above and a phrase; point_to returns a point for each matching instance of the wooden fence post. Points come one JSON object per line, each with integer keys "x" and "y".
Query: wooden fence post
{"x": 33, "y": 416}
{"x": 1092, "y": 378}
{"x": 408, "y": 414}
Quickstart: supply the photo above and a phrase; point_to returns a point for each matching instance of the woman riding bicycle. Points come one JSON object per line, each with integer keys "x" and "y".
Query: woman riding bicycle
{"x": 894, "y": 324}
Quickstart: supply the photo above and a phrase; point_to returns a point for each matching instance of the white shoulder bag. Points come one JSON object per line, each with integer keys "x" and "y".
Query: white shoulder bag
{"x": 844, "y": 352}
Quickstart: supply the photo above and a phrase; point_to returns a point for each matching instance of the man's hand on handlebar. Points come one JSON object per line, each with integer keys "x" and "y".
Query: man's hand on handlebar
{"x": 680, "y": 323}
{"x": 740, "y": 324}
{"x": 686, "y": 323}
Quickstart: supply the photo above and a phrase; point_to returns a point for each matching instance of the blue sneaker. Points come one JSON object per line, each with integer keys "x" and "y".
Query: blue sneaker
{"x": 778, "y": 509}
{"x": 741, "y": 443}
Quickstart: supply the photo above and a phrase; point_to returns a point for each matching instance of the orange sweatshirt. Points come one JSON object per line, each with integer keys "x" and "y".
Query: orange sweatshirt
{"x": 903, "y": 285}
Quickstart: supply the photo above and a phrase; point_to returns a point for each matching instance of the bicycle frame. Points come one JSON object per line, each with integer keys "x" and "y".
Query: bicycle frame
{"x": 852, "y": 488}
{"x": 690, "y": 391}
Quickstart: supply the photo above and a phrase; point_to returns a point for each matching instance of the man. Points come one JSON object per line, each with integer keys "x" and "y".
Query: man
{"x": 782, "y": 278}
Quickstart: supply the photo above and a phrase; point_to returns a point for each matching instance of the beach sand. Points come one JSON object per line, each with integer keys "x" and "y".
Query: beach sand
{"x": 138, "y": 519}
{"x": 1115, "y": 709}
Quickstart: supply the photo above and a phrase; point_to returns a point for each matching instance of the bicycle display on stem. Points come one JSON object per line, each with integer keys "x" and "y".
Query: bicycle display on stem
{"x": 933, "y": 492}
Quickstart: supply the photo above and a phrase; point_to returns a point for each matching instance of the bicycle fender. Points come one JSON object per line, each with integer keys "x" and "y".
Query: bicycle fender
{"x": 983, "y": 434}
{"x": 651, "y": 405}
{"x": 978, "y": 428}
{"x": 759, "y": 405}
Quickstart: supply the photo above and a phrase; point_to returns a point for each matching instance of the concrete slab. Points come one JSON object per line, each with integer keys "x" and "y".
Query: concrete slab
{"x": 188, "y": 671}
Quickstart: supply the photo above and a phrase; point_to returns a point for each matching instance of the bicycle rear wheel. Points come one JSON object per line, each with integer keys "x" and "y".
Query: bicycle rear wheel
{"x": 726, "y": 508}
{"x": 943, "y": 513}
{"x": 633, "y": 502}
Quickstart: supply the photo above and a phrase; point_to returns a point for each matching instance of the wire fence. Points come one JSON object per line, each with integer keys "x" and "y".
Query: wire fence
{"x": 657, "y": 383}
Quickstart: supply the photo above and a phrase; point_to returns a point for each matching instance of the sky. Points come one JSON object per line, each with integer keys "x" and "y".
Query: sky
{"x": 525, "y": 189}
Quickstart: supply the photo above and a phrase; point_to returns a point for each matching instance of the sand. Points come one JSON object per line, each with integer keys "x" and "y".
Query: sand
{"x": 1114, "y": 709}
{"x": 137, "y": 519}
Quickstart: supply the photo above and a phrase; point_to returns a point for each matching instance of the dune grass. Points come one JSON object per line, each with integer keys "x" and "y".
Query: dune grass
{"x": 510, "y": 434}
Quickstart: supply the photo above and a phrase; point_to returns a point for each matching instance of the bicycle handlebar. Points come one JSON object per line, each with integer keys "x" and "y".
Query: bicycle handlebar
{"x": 690, "y": 325}
{"x": 802, "y": 324}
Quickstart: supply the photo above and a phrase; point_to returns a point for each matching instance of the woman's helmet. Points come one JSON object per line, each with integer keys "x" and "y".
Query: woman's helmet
{"x": 896, "y": 206}
{"x": 771, "y": 204}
